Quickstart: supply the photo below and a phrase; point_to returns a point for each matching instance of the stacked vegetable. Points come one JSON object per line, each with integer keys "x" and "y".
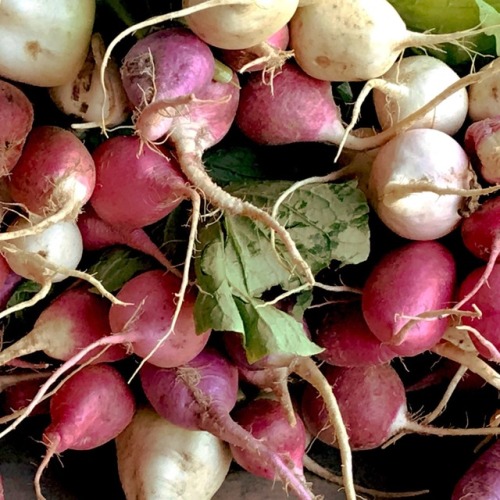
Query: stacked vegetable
{"x": 159, "y": 222}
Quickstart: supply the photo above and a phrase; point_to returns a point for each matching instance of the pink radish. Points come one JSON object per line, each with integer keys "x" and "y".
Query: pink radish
{"x": 347, "y": 340}
{"x": 406, "y": 285}
{"x": 266, "y": 420}
{"x": 355, "y": 41}
{"x": 149, "y": 317}
{"x": 53, "y": 179}
{"x": 17, "y": 396}
{"x": 90, "y": 409}
{"x": 17, "y": 119}
{"x": 157, "y": 458}
{"x": 201, "y": 394}
{"x": 73, "y": 320}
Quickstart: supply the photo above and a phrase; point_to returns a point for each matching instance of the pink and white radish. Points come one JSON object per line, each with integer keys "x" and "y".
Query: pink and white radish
{"x": 417, "y": 184}
{"x": 74, "y": 319}
{"x": 404, "y": 290}
{"x": 16, "y": 113}
{"x": 410, "y": 84}
{"x": 201, "y": 395}
{"x": 90, "y": 409}
{"x": 158, "y": 459}
{"x": 359, "y": 40}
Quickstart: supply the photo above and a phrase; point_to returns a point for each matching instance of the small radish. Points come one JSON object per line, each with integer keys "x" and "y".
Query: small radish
{"x": 91, "y": 408}
{"x": 157, "y": 459}
{"x": 484, "y": 100}
{"x": 74, "y": 319}
{"x": 18, "y": 396}
{"x": 347, "y": 340}
{"x": 411, "y": 83}
{"x": 200, "y": 396}
{"x": 16, "y": 113}
{"x": 417, "y": 184}
{"x": 266, "y": 419}
{"x": 358, "y": 40}
{"x": 402, "y": 292}
{"x": 53, "y": 179}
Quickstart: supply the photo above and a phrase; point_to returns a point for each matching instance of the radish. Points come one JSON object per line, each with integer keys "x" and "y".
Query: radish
{"x": 151, "y": 178}
{"x": 372, "y": 401}
{"x": 53, "y": 179}
{"x": 482, "y": 479}
{"x": 91, "y": 408}
{"x": 199, "y": 396}
{"x": 16, "y": 112}
{"x": 355, "y": 41}
{"x": 157, "y": 459}
{"x": 402, "y": 292}
{"x": 484, "y": 101}
{"x": 83, "y": 97}
{"x": 17, "y": 396}
{"x": 74, "y": 319}
{"x": 266, "y": 419}
{"x": 417, "y": 184}
{"x": 44, "y": 43}
{"x": 347, "y": 340}
{"x": 98, "y": 234}
{"x": 480, "y": 142}
{"x": 411, "y": 83}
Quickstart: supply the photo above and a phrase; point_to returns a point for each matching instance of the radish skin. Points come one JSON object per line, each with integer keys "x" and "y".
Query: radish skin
{"x": 158, "y": 460}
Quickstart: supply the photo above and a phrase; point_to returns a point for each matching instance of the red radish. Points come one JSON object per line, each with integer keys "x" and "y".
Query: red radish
{"x": 74, "y": 319}
{"x": 149, "y": 317}
{"x": 372, "y": 402}
{"x": 91, "y": 408}
{"x": 159, "y": 459}
{"x": 150, "y": 178}
{"x": 54, "y": 177}
{"x": 17, "y": 396}
{"x": 98, "y": 234}
{"x": 355, "y": 41}
{"x": 201, "y": 394}
{"x": 407, "y": 284}
{"x": 481, "y": 143}
{"x": 482, "y": 479}
{"x": 266, "y": 420}
{"x": 165, "y": 66}
{"x": 16, "y": 113}
{"x": 347, "y": 340}
{"x": 267, "y": 56}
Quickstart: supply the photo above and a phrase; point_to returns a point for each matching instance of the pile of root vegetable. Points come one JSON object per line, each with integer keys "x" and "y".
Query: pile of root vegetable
{"x": 255, "y": 235}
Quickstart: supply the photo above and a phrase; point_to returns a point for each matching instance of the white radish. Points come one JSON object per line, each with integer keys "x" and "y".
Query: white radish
{"x": 335, "y": 40}
{"x": 158, "y": 460}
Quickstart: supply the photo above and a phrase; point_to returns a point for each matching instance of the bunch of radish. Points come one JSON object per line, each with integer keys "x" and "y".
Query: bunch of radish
{"x": 118, "y": 358}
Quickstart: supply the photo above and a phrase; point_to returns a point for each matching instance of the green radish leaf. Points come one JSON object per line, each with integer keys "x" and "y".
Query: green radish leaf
{"x": 236, "y": 262}
{"x": 489, "y": 16}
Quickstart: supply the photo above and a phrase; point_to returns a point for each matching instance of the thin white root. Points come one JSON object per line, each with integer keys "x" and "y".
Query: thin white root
{"x": 196, "y": 201}
{"x": 40, "y": 295}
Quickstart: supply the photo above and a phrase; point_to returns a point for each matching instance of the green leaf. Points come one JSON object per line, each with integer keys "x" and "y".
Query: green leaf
{"x": 117, "y": 265}
{"x": 236, "y": 262}
{"x": 489, "y": 16}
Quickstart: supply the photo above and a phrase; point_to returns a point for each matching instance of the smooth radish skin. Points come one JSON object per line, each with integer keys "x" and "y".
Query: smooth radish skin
{"x": 53, "y": 179}
{"x": 73, "y": 320}
{"x": 91, "y": 408}
{"x": 418, "y": 182}
{"x": 16, "y": 113}
{"x": 98, "y": 234}
{"x": 151, "y": 184}
{"x": 17, "y": 396}
{"x": 402, "y": 293}
{"x": 167, "y": 65}
{"x": 372, "y": 402}
{"x": 200, "y": 396}
{"x": 347, "y": 340}
{"x": 359, "y": 40}
{"x": 482, "y": 479}
{"x": 158, "y": 460}
{"x": 481, "y": 143}
{"x": 411, "y": 83}
{"x": 484, "y": 100}
{"x": 149, "y": 316}
{"x": 266, "y": 419}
